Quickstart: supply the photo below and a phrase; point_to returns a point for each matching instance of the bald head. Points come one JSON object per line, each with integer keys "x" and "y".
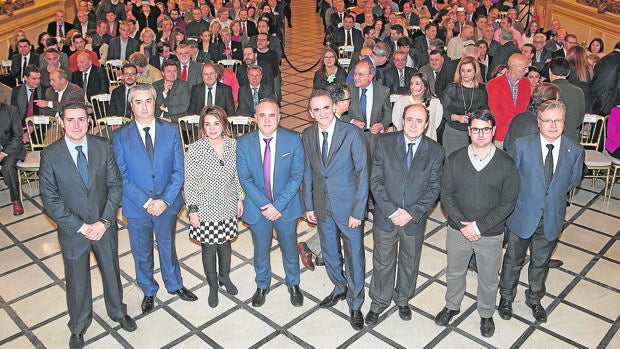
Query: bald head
{"x": 517, "y": 66}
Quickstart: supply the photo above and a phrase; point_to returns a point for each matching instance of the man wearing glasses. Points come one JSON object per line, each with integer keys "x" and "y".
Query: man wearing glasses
{"x": 549, "y": 166}
{"x": 478, "y": 191}
{"x": 119, "y": 106}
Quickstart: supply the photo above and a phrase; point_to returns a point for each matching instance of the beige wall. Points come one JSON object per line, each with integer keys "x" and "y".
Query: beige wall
{"x": 581, "y": 20}
{"x": 33, "y": 20}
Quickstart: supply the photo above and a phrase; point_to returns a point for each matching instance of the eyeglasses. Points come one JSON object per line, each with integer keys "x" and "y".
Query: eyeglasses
{"x": 551, "y": 121}
{"x": 484, "y": 130}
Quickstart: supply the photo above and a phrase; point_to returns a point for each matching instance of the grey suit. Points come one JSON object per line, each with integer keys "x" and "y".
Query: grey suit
{"x": 114, "y": 51}
{"x": 5, "y": 94}
{"x": 415, "y": 190}
{"x": 70, "y": 203}
{"x": 575, "y": 102}
{"x": 176, "y": 101}
{"x": 194, "y": 73}
{"x": 73, "y": 93}
{"x": 430, "y": 75}
{"x": 19, "y": 99}
{"x": 381, "y": 111}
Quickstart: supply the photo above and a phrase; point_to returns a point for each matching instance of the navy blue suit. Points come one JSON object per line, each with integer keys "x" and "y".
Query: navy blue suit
{"x": 143, "y": 180}
{"x": 288, "y": 157}
{"x": 336, "y": 191}
{"x": 538, "y": 217}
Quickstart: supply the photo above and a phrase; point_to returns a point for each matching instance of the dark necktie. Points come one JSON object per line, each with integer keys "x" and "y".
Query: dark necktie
{"x": 409, "y": 155}
{"x": 341, "y": 18}
{"x": 255, "y": 97}
{"x": 325, "y": 148}
{"x": 30, "y": 110}
{"x": 549, "y": 165}
{"x": 148, "y": 143}
{"x": 24, "y": 64}
{"x": 267, "y": 168}
{"x": 209, "y": 96}
{"x": 363, "y": 105}
{"x": 348, "y": 40}
{"x": 401, "y": 78}
{"x": 60, "y": 32}
{"x": 82, "y": 164}
{"x": 85, "y": 83}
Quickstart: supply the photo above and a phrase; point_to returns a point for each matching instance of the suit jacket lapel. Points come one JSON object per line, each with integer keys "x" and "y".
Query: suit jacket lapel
{"x": 537, "y": 148}
{"x": 337, "y": 140}
{"x": 419, "y": 160}
{"x": 401, "y": 153}
{"x": 66, "y": 158}
{"x": 138, "y": 143}
{"x": 257, "y": 156}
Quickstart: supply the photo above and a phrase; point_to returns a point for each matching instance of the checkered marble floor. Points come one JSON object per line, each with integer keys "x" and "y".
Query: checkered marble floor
{"x": 582, "y": 300}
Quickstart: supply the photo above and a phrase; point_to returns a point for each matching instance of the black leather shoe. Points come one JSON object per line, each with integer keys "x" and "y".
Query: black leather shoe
{"x": 555, "y": 263}
{"x": 258, "y": 298}
{"x": 148, "y": 303}
{"x": 487, "y": 327}
{"x": 185, "y": 294}
{"x": 444, "y": 316}
{"x": 404, "y": 312}
{"x": 372, "y": 318}
{"x": 504, "y": 309}
{"x": 127, "y": 323}
{"x": 297, "y": 299}
{"x": 76, "y": 341}
{"x": 332, "y": 299}
{"x": 540, "y": 314}
{"x": 357, "y": 320}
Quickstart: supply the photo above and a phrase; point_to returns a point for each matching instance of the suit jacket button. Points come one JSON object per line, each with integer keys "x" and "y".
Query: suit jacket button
{"x": 153, "y": 176}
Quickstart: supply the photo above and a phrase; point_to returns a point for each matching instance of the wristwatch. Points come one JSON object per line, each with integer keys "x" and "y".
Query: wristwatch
{"x": 106, "y": 223}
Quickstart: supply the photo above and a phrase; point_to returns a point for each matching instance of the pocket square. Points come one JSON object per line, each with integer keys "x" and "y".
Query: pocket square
{"x": 286, "y": 154}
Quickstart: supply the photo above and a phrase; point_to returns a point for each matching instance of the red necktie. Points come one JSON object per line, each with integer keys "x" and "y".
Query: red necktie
{"x": 184, "y": 73}
{"x": 30, "y": 110}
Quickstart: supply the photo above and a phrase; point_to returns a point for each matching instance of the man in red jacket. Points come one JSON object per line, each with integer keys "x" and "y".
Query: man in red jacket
{"x": 509, "y": 95}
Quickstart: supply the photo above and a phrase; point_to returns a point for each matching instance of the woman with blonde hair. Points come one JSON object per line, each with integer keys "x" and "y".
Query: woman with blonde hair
{"x": 214, "y": 197}
{"x": 581, "y": 72}
{"x": 459, "y": 100}
{"x": 17, "y": 35}
{"x": 148, "y": 47}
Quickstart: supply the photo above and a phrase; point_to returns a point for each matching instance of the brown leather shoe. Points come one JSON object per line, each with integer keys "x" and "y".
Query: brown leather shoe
{"x": 18, "y": 209}
{"x": 306, "y": 255}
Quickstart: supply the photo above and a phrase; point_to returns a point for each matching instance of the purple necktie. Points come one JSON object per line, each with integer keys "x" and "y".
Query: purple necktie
{"x": 267, "y": 168}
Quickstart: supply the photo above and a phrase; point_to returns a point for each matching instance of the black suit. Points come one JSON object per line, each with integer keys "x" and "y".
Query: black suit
{"x": 223, "y": 97}
{"x": 501, "y": 56}
{"x": 114, "y": 51}
{"x": 268, "y": 73}
{"x": 605, "y": 91}
{"x": 11, "y": 144}
{"x": 391, "y": 79}
{"x": 558, "y": 53}
{"x": 420, "y": 51}
{"x": 236, "y": 51}
{"x": 246, "y": 103}
{"x": 17, "y": 61}
{"x": 97, "y": 81}
{"x": 250, "y": 28}
{"x": 89, "y": 26}
{"x": 70, "y": 203}
{"x": 119, "y": 106}
{"x": 19, "y": 99}
{"x": 52, "y": 28}
{"x": 156, "y": 62}
{"x": 338, "y": 39}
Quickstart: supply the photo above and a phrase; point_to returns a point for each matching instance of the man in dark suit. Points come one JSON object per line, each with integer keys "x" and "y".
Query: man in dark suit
{"x": 122, "y": 46}
{"x": 152, "y": 179}
{"x": 81, "y": 188}
{"x": 59, "y": 28}
{"x": 538, "y": 218}
{"x": 397, "y": 75}
{"x": 60, "y": 93}
{"x": 119, "y": 105}
{"x": 188, "y": 70}
{"x": 172, "y": 93}
{"x": 420, "y": 44}
{"x": 211, "y": 92}
{"x": 432, "y": 69}
{"x": 232, "y": 49}
{"x": 23, "y": 58}
{"x": 347, "y": 35}
{"x": 571, "y": 95}
{"x": 371, "y": 118}
{"x": 541, "y": 54}
{"x": 410, "y": 17}
{"x": 84, "y": 25}
{"x": 605, "y": 90}
{"x": 250, "y": 57}
{"x": 24, "y": 95}
{"x": 163, "y": 53}
{"x": 11, "y": 150}
{"x": 507, "y": 49}
{"x": 5, "y": 94}
{"x": 253, "y": 92}
{"x": 272, "y": 199}
{"x": 405, "y": 183}
{"x": 570, "y": 40}
{"x": 90, "y": 78}
{"x": 249, "y": 26}
{"x": 335, "y": 191}
{"x": 396, "y": 32}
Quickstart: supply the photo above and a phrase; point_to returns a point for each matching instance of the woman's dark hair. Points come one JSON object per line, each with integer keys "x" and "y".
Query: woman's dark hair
{"x": 428, "y": 94}
{"x": 220, "y": 115}
{"x": 600, "y": 41}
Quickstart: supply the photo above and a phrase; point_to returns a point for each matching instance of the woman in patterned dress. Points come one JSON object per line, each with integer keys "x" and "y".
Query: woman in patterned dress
{"x": 214, "y": 197}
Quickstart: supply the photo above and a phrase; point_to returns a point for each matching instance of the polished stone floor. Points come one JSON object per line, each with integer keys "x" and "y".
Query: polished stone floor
{"x": 583, "y": 296}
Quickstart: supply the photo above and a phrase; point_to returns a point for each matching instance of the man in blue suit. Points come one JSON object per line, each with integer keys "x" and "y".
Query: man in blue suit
{"x": 335, "y": 192}
{"x": 270, "y": 167}
{"x": 538, "y": 218}
{"x": 150, "y": 158}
